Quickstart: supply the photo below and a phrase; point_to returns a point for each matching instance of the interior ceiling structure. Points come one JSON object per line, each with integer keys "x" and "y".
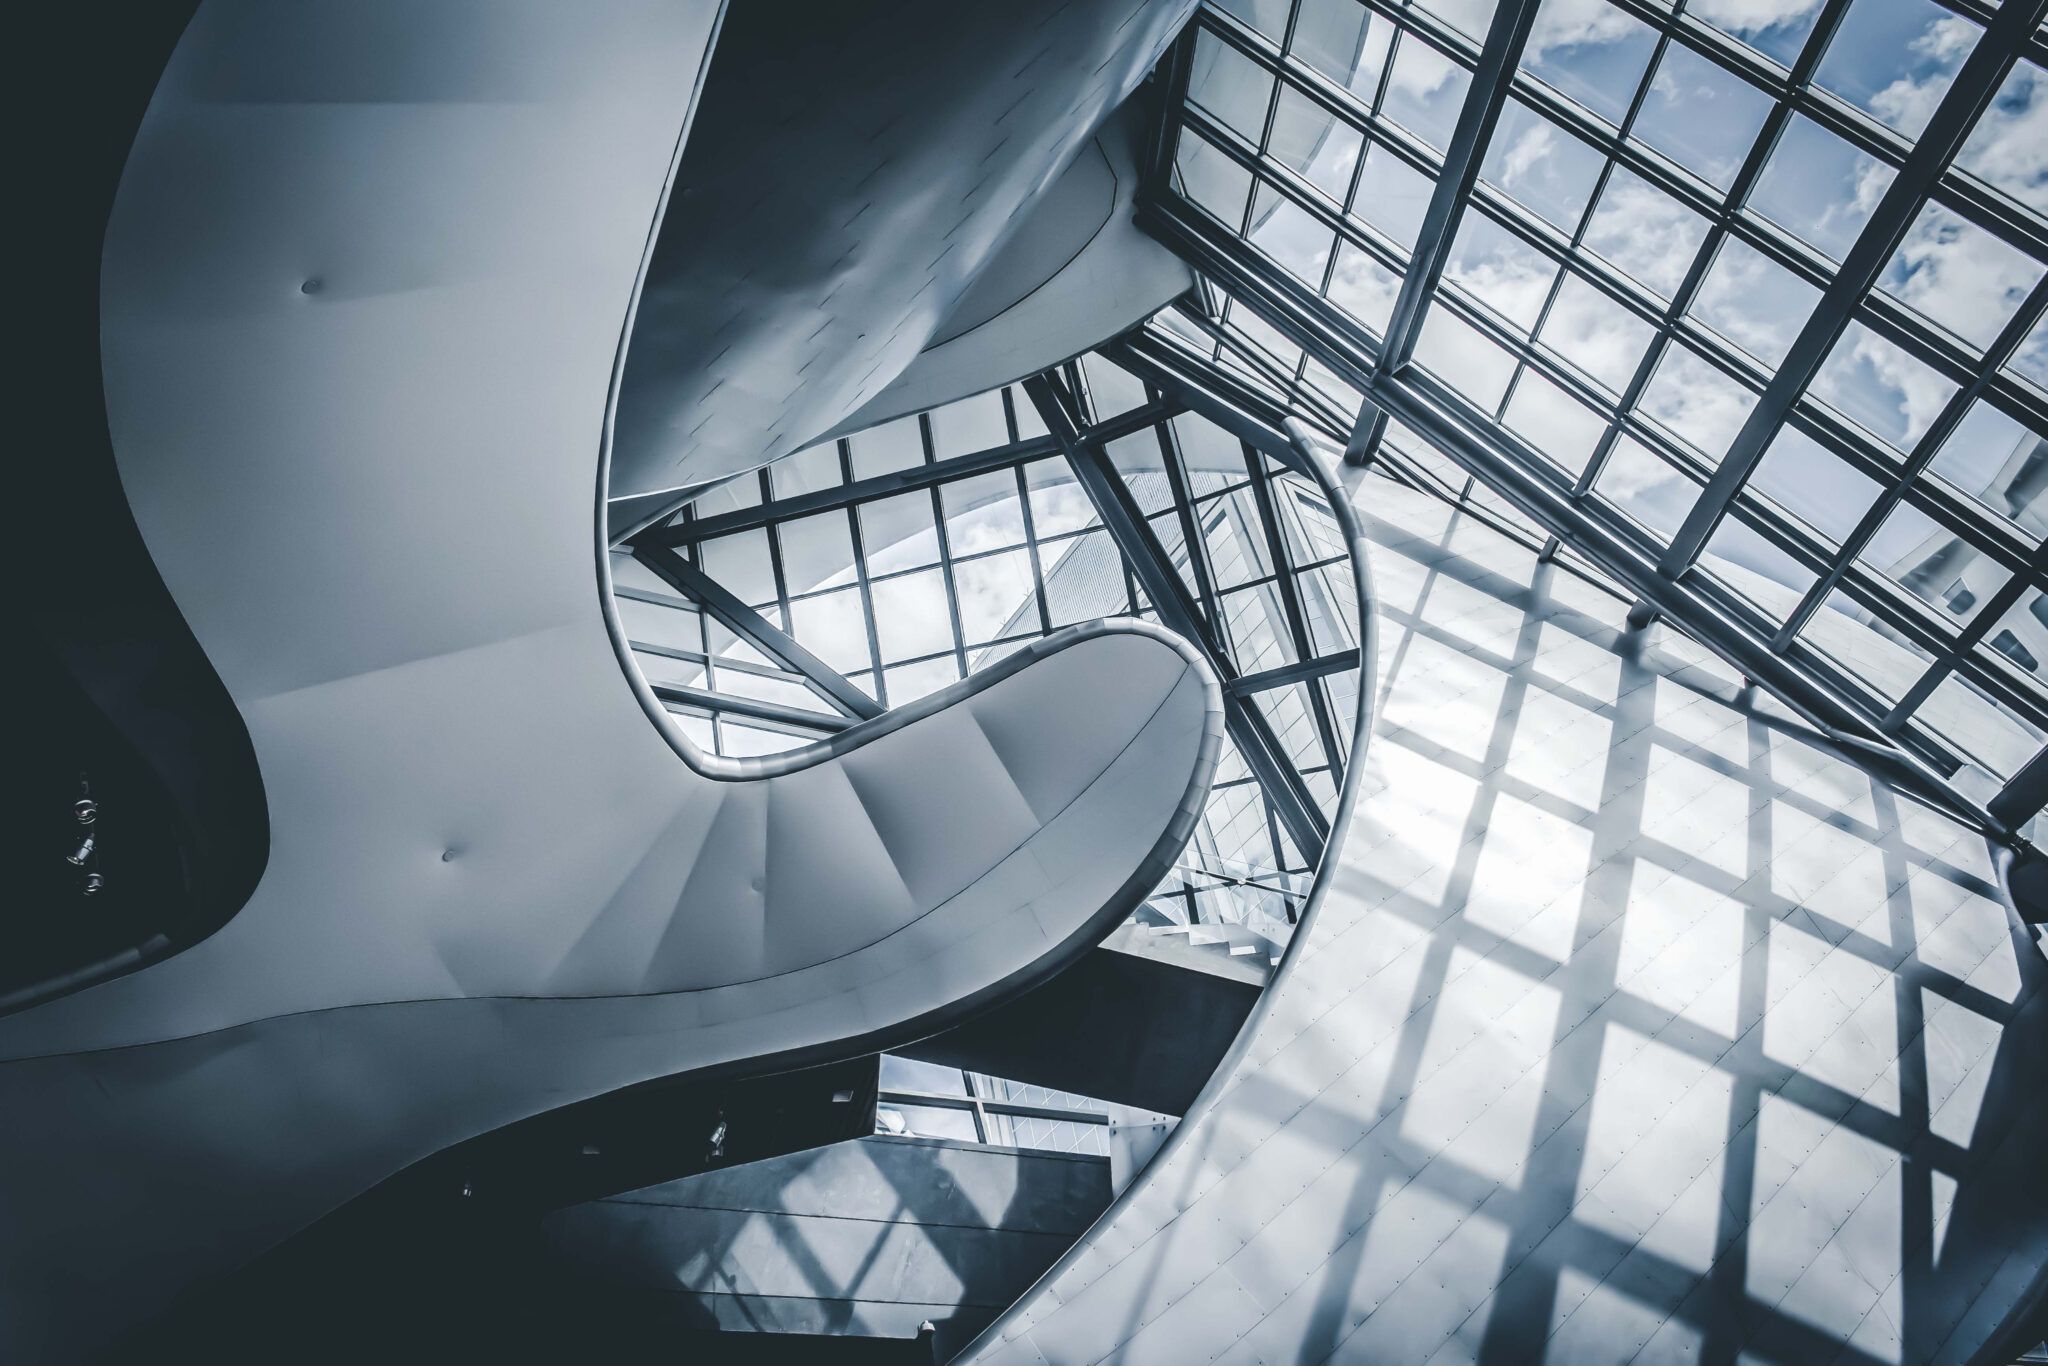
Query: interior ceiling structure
{"x": 1744, "y": 304}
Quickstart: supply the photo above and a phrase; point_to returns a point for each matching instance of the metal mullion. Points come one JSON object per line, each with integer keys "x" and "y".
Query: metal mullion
{"x": 1290, "y": 594}
{"x": 750, "y": 625}
{"x": 1249, "y": 733}
{"x": 1974, "y": 86}
{"x": 1209, "y": 601}
{"x": 924, "y": 429}
{"x": 1923, "y": 454}
{"x": 1976, "y": 201}
{"x": 1031, "y": 544}
{"x": 1919, "y": 337}
{"x": 1506, "y": 36}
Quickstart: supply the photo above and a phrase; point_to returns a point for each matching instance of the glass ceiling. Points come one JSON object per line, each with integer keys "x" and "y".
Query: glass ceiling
{"x": 1754, "y": 290}
{"x": 864, "y": 573}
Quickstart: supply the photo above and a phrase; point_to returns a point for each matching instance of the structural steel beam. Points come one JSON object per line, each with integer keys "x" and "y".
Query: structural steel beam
{"x": 756, "y": 630}
{"x": 1498, "y": 58}
{"x": 732, "y": 704}
{"x": 1248, "y": 728}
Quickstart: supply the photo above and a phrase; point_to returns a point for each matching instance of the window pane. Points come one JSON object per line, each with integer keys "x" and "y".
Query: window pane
{"x": 898, "y": 532}
{"x": 1084, "y": 579}
{"x": 1229, "y": 87}
{"x": 1599, "y": 337}
{"x": 1894, "y": 59}
{"x": 1818, "y": 187}
{"x": 1959, "y": 276}
{"x": 740, "y": 564}
{"x": 2001, "y": 464}
{"x": 926, "y": 1121}
{"x": 1813, "y": 484}
{"x": 1292, "y": 236}
{"x": 1700, "y": 116}
{"x": 908, "y": 682}
{"x": 1756, "y": 569}
{"x": 1591, "y": 53}
{"x": 1696, "y": 402}
{"x": 997, "y": 596}
{"x": 2009, "y": 147}
{"x": 809, "y": 470}
{"x": 833, "y": 627}
{"x": 1868, "y": 649}
{"x": 1502, "y": 270}
{"x": 1212, "y": 181}
{"x": 1541, "y": 166}
{"x": 982, "y": 513}
{"x": 1469, "y": 17}
{"x": 1776, "y": 28}
{"x": 972, "y": 424}
{"x": 1554, "y": 422}
{"x": 1644, "y": 233}
{"x": 1880, "y": 388}
{"x": 1934, "y": 564}
{"x": 1345, "y": 41}
{"x": 1392, "y": 196}
{"x": 1267, "y": 16}
{"x": 2031, "y": 361}
{"x": 1753, "y": 302}
{"x": 1111, "y": 388}
{"x": 647, "y": 623}
{"x": 1425, "y": 90}
{"x": 892, "y": 446}
{"x": 1058, "y": 502}
{"x": 1647, "y": 488}
{"x": 1461, "y": 357}
{"x": 1364, "y": 288}
{"x": 1309, "y": 139}
{"x": 817, "y": 552}
{"x": 911, "y": 617}
{"x": 1973, "y": 723}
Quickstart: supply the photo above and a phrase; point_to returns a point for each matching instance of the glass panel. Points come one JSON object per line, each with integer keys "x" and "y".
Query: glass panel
{"x": 2001, "y": 464}
{"x": 740, "y": 564}
{"x": 1554, "y": 422}
{"x": 1933, "y": 563}
{"x": 1364, "y": 288}
{"x": 744, "y": 741}
{"x": 1502, "y": 270}
{"x": 1236, "y": 541}
{"x": 1880, "y": 388}
{"x": 2009, "y": 147}
{"x": 1229, "y": 87}
{"x": 982, "y": 513}
{"x": 1959, "y": 276}
{"x": 833, "y": 627}
{"x": 1644, "y": 233}
{"x": 1818, "y": 187}
{"x": 1255, "y": 627}
{"x": 1541, "y": 166}
{"x": 1646, "y": 488}
{"x": 972, "y": 424}
{"x": 1456, "y": 353}
{"x": 809, "y": 470}
{"x": 997, "y": 596}
{"x": 1469, "y": 17}
{"x": 1776, "y": 28}
{"x": 910, "y": 615}
{"x": 1084, "y": 579}
{"x": 1111, "y": 388}
{"x": 817, "y": 552}
{"x": 2031, "y": 360}
{"x": 674, "y": 628}
{"x": 925, "y": 1121}
{"x": 2020, "y": 637}
{"x": 1753, "y": 302}
{"x": 1987, "y": 732}
{"x": 908, "y": 1074}
{"x": 1756, "y": 569}
{"x": 1345, "y": 41}
{"x": 1603, "y": 340}
{"x": 898, "y": 532}
{"x": 908, "y": 682}
{"x": 1292, "y": 236}
{"x": 1425, "y": 90}
{"x": 741, "y": 491}
{"x": 1702, "y": 117}
{"x": 1212, "y": 181}
{"x": 1696, "y": 402}
{"x": 1312, "y": 141}
{"x": 1871, "y": 651}
{"x": 1894, "y": 59}
{"x": 1058, "y": 502}
{"x": 1392, "y": 196}
{"x": 1267, "y": 16}
{"x": 1591, "y": 53}
{"x": 893, "y": 446}
{"x": 1813, "y": 484}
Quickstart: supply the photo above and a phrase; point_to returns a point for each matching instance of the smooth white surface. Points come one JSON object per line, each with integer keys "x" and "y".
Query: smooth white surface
{"x": 1633, "y": 1028}
{"x": 364, "y": 288}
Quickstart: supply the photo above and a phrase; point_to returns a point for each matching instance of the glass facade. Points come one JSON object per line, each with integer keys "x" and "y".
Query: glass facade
{"x": 1656, "y": 280}
{"x": 905, "y": 557}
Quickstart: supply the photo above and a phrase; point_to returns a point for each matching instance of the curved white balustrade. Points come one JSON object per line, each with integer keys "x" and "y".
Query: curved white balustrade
{"x": 365, "y": 291}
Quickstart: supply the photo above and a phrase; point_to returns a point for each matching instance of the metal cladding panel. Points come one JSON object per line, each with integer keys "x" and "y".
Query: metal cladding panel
{"x": 1633, "y": 1026}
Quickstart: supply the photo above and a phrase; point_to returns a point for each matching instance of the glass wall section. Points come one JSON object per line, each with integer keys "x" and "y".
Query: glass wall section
{"x": 925, "y": 1100}
{"x": 903, "y": 575}
{"x": 1657, "y": 274}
